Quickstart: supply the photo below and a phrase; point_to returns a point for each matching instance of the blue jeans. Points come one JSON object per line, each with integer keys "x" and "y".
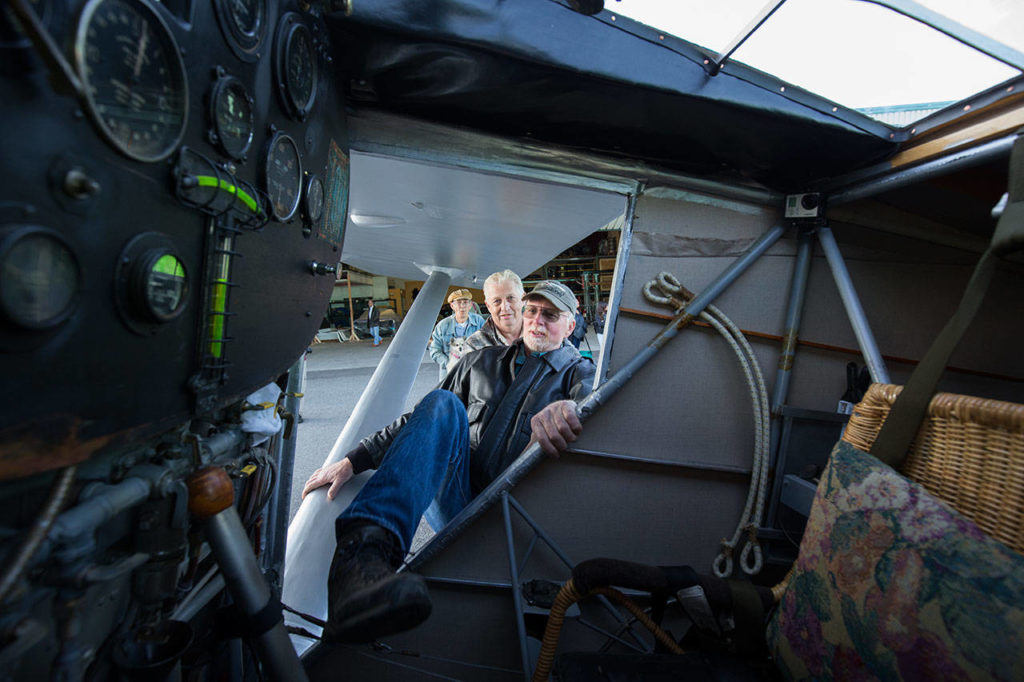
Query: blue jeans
{"x": 376, "y": 334}
{"x": 424, "y": 473}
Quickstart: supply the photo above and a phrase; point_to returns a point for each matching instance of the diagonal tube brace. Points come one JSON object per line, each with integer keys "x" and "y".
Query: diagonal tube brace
{"x": 532, "y": 455}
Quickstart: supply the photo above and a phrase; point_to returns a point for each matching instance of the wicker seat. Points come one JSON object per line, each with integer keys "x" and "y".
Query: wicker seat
{"x": 969, "y": 453}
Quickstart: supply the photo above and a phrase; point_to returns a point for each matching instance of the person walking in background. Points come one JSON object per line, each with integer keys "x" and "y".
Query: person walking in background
{"x": 580, "y": 331}
{"x": 373, "y": 322}
{"x": 450, "y": 334}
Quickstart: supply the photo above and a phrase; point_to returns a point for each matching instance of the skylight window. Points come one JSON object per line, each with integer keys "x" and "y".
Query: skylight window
{"x": 857, "y": 54}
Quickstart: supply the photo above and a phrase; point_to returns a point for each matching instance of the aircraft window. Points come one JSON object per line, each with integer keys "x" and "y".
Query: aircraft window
{"x": 857, "y": 54}
{"x": 1001, "y": 20}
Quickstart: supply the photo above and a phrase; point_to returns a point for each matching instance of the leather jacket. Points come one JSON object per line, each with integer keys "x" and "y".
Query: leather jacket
{"x": 481, "y": 380}
{"x": 488, "y": 335}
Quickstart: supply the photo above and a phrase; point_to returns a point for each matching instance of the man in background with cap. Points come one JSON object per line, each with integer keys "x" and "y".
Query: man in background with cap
{"x": 432, "y": 461}
{"x": 450, "y": 334}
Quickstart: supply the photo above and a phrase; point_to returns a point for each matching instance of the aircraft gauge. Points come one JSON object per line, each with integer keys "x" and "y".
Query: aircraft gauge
{"x": 39, "y": 278}
{"x": 232, "y": 114}
{"x": 242, "y": 22}
{"x": 296, "y": 66}
{"x": 314, "y": 204}
{"x": 283, "y": 176}
{"x": 151, "y": 283}
{"x": 133, "y": 77}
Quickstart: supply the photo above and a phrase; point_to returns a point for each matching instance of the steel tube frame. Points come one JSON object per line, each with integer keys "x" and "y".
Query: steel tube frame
{"x": 794, "y": 313}
{"x": 542, "y": 534}
{"x": 854, "y": 310}
{"x": 250, "y": 593}
{"x": 284, "y": 456}
{"x": 615, "y": 295}
{"x": 517, "y": 597}
{"x": 532, "y": 455}
{"x": 868, "y": 185}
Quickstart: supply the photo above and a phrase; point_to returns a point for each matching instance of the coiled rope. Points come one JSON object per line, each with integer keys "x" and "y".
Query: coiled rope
{"x": 751, "y": 557}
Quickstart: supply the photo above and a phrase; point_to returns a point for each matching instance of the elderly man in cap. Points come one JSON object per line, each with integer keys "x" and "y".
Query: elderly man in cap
{"x": 432, "y": 461}
{"x": 450, "y": 334}
{"x": 503, "y": 295}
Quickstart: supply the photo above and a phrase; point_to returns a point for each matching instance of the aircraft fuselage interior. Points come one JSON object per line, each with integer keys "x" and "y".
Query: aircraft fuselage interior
{"x": 181, "y": 182}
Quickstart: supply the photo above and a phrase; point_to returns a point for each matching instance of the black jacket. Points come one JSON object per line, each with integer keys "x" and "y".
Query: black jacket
{"x": 373, "y": 317}
{"x": 481, "y": 380}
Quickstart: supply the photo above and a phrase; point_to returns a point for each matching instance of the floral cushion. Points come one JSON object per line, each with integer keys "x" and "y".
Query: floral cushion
{"x": 892, "y": 584}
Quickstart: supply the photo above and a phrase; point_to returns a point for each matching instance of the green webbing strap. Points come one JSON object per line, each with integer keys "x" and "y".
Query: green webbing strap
{"x": 911, "y": 406}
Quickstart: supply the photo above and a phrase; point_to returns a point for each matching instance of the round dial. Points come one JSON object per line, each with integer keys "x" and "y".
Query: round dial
{"x": 164, "y": 285}
{"x": 242, "y": 23}
{"x": 314, "y": 198}
{"x": 246, "y": 16}
{"x": 284, "y": 176}
{"x": 39, "y": 278}
{"x": 232, "y": 117}
{"x": 297, "y": 71}
{"x": 133, "y": 77}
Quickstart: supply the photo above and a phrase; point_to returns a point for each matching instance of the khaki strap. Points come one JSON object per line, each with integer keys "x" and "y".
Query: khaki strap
{"x": 911, "y": 406}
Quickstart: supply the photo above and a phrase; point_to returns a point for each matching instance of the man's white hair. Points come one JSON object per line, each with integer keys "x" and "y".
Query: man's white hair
{"x": 506, "y": 276}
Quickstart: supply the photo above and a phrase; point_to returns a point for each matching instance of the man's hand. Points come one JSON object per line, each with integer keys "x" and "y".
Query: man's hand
{"x": 556, "y": 426}
{"x": 336, "y": 475}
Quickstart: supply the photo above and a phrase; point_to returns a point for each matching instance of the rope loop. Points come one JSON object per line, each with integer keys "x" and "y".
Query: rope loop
{"x": 752, "y": 547}
{"x": 668, "y": 282}
{"x": 653, "y": 297}
{"x": 724, "y": 556}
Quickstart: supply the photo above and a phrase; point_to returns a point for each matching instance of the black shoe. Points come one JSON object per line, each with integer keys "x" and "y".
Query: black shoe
{"x": 366, "y": 599}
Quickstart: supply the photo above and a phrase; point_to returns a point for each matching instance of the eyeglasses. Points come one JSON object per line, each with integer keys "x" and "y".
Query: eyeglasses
{"x": 462, "y": 301}
{"x": 550, "y": 315}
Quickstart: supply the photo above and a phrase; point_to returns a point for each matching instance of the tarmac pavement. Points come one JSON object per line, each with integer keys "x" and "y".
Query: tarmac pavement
{"x": 336, "y": 374}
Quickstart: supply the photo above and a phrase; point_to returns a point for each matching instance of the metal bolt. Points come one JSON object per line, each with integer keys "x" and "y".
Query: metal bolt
{"x": 78, "y": 185}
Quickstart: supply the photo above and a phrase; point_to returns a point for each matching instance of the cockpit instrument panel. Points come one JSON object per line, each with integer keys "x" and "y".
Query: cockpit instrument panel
{"x": 232, "y": 116}
{"x": 283, "y": 173}
{"x": 243, "y": 23}
{"x": 133, "y": 77}
{"x": 295, "y": 62}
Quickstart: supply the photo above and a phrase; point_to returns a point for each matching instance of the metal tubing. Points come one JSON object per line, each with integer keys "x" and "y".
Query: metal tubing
{"x": 532, "y": 455}
{"x": 745, "y": 33}
{"x": 692, "y": 311}
{"x": 859, "y": 321}
{"x": 250, "y": 593}
{"x": 74, "y": 531}
{"x": 311, "y": 543}
{"x": 285, "y": 458}
{"x": 224, "y": 442}
{"x": 794, "y": 311}
{"x": 868, "y": 184}
{"x": 621, "y": 260}
{"x": 542, "y": 534}
{"x": 40, "y": 529}
{"x": 517, "y": 597}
